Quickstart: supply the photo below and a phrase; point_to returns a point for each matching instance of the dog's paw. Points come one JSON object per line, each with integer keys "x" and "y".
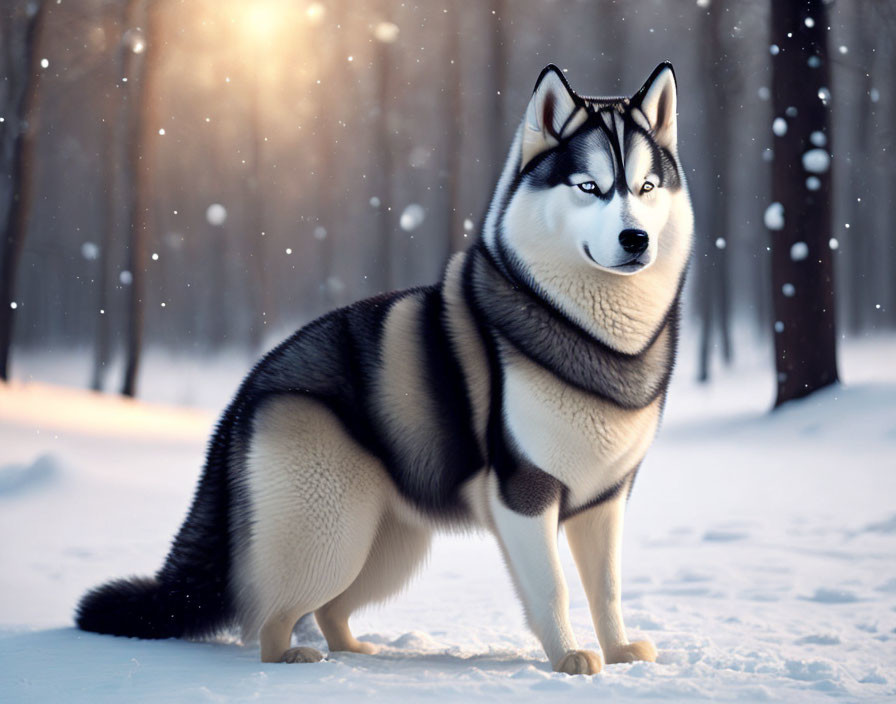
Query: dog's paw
{"x": 630, "y": 652}
{"x": 367, "y": 648}
{"x": 580, "y": 662}
{"x": 302, "y": 654}
{"x": 358, "y": 646}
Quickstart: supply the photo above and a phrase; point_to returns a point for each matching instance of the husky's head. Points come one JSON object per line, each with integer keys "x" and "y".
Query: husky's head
{"x": 592, "y": 209}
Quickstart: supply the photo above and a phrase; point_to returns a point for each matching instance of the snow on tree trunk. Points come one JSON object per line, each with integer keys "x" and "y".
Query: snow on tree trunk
{"x": 20, "y": 176}
{"x": 803, "y": 287}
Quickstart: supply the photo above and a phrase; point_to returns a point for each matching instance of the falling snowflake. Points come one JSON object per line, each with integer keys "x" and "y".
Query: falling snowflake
{"x": 774, "y": 216}
{"x": 386, "y": 32}
{"x": 216, "y": 214}
{"x": 816, "y": 161}
{"x": 90, "y": 251}
{"x": 412, "y": 217}
{"x": 779, "y": 126}
{"x": 799, "y": 251}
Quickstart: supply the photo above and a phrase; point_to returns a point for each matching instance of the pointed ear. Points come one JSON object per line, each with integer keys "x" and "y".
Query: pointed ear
{"x": 554, "y": 112}
{"x": 658, "y": 101}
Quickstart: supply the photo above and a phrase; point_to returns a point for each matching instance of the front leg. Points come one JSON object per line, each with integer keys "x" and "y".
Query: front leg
{"x": 595, "y": 538}
{"x": 529, "y": 544}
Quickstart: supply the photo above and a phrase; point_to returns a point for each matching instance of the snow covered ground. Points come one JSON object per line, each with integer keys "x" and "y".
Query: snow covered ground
{"x": 760, "y": 557}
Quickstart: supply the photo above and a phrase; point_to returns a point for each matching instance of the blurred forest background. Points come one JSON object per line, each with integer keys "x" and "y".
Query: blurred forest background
{"x": 207, "y": 175}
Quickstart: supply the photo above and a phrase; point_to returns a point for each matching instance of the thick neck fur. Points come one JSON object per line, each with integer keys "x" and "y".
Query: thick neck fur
{"x": 513, "y": 314}
{"x": 624, "y": 312}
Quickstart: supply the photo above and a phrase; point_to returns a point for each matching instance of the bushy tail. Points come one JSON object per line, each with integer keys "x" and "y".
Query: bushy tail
{"x": 190, "y": 596}
{"x": 144, "y": 607}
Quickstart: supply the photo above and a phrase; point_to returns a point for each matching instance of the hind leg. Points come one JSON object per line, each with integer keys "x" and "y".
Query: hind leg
{"x": 317, "y": 498}
{"x": 398, "y": 550}
{"x": 275, "y": 641}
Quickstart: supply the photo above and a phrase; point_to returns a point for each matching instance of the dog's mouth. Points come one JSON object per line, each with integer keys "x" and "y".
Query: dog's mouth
{"x": 633, "y": 265}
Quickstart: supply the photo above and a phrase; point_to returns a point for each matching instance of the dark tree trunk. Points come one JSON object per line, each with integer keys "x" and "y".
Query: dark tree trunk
{"x": 861, "y": 236}
{"x": 327, "y": 200}
{"x": 497, "y": 117}
{"x": 116, "y": 23}
{"x": 21, "y": 180}
{"x": 140, "y": 81}
{"x": 455, "y": 240}
{"x": 260, "y": 311}
{"x": 382, "y": 263}
{"x": 712, "y": 260}
{"x": 802, "y": 286}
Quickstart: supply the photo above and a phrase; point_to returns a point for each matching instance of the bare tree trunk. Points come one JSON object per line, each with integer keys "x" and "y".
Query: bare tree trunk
{"x": 384, "y": 164}
{"x": 455, "y": 240}
{"x": 21, "y": 179}
{"x": 141, "y": 81}
{"x": 802, "y": 267}
{"x": 258, "y": 286}
{"x": 112, "y": 113}
{"x": 497, "y": 117}
{"x": 861, "y": 234}
{"x": 332, "y": 106}
{"x": 712, "y": 256}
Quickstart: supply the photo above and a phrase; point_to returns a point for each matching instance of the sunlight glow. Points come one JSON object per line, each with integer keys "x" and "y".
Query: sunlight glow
{"x": 315, "y": 12}
{"x": 261, "y": 19}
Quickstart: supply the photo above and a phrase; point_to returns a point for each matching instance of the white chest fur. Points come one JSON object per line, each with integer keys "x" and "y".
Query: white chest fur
{"x": 587, "y": 443}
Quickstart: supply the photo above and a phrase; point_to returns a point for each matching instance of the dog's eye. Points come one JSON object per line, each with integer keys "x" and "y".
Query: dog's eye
{"x": 647, "y": 187}
{"x": 588, "y": 187}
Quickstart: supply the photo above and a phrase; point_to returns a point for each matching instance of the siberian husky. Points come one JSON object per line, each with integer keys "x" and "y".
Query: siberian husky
{"x": 519, "y": 394}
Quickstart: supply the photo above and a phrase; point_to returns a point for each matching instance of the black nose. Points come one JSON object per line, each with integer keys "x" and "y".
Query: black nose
{"x": 633, "y": 241}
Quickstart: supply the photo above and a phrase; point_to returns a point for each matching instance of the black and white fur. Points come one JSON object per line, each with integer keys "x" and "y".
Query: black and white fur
{"x": 518, "y": 394}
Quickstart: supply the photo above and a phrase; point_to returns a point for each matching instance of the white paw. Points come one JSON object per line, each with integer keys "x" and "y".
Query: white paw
{"x": 579, "y": 662}
{"x": 359, "y": 646}
{"x": 630, "y": 652}
{"x": 302, "y": 654}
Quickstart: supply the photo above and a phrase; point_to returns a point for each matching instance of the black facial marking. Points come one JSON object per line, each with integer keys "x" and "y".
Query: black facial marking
{"x": 555, "y": 166}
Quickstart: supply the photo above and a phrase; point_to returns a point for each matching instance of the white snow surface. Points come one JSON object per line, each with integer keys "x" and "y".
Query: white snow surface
{"x": 759, "y": 557}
